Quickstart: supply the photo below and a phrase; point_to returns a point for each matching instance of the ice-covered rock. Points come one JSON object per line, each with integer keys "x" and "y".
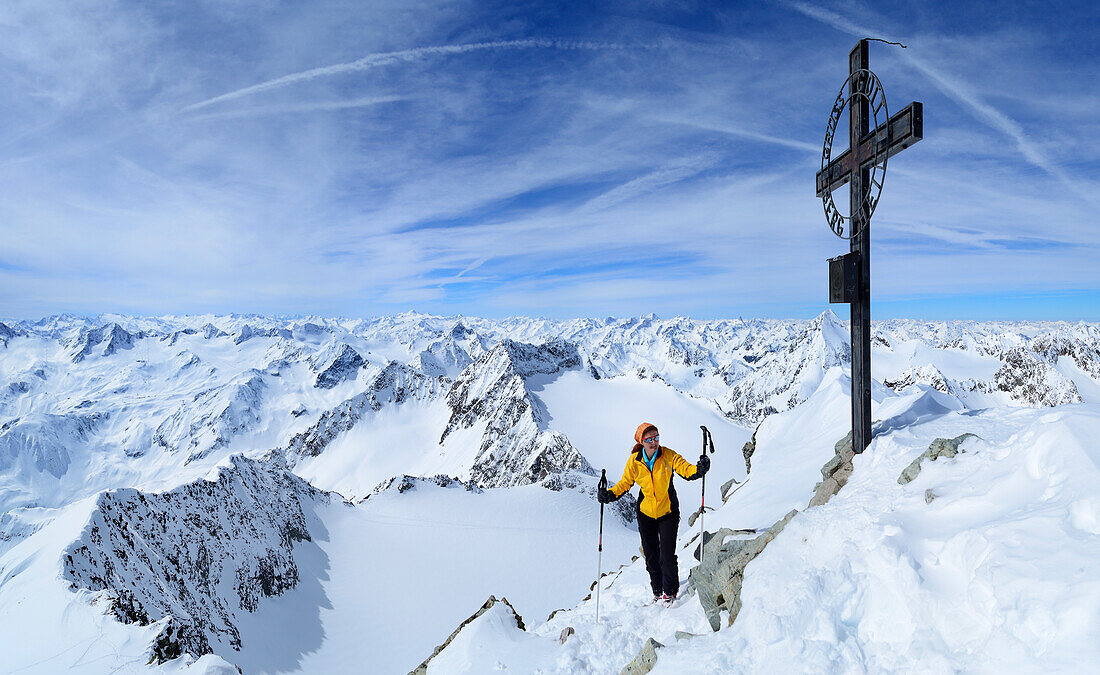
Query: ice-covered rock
{"x": 516, "y": 447}
{"x": 344, "y": 365}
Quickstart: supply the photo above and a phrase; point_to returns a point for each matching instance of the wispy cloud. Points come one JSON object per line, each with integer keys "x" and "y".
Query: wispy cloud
{"x": 524, "y": 162}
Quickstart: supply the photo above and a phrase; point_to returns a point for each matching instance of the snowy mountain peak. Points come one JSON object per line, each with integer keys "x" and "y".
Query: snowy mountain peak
{"x": 197, "y": 557}
{"x": 213, "y": 417}
{"x": 343, "y": 366}
{"x": 105, "y": 340}
{"x": 515, "y": 447}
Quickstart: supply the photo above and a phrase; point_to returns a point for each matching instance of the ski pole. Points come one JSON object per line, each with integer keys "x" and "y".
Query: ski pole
{"x": 703, "y": 501}
{"x": 599, "y": 558}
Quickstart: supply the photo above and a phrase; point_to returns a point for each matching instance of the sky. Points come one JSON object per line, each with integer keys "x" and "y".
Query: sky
{"x": 550, "y": 159}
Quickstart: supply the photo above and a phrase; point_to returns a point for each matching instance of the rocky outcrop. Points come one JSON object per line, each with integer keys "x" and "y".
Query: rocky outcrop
{"x": 835, "y": 473}
{"x": 405, "y": 482}
{"x": 718, "y": 578}
{"x": 396, "y": 384}
{"x": 422, "y": 669}
{"x": 175, "y": 336}
{"x": 40, "y": 443}
{"x": 789, "y": 372}
{"x": 1081, "y": 343}
{"x": 645, "y": 661}
{"x": 344, "y": 366}
{"x": 625, "y": 507}
{"x": 6, "y": 334}
{"x": 210, "y": 331}
{"x": 248, "y": 332}
{"x": 941, "y": 447}
{"x": 925, "y": 374}
{"x": 1029, "y": 379}
{"x": 451, "y": 354}
{"x": 198, "y": 555}
{"x": 747, "y": 450}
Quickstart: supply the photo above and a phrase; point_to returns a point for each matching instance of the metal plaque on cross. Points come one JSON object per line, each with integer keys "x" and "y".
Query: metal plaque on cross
{"x": 863, "y": 167}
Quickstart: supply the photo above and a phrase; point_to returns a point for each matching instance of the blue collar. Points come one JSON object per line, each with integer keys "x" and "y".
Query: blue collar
{"x": 650, "y": 460}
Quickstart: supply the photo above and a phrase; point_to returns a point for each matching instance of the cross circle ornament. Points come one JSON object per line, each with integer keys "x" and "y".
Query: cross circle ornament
{"x": 864, "y": 85}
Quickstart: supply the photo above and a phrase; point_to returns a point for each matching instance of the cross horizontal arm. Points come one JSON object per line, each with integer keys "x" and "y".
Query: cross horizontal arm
{"x": 904, "y": 128}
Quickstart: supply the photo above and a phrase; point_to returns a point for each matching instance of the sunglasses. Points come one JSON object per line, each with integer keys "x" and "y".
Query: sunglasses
{"x": 651, "y": 440}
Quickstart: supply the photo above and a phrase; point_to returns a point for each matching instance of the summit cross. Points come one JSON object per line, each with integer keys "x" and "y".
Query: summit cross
{"x": 863, "y": 167}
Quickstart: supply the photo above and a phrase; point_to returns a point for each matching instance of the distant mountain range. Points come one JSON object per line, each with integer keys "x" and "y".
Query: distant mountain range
{"x": 77, "y": 393}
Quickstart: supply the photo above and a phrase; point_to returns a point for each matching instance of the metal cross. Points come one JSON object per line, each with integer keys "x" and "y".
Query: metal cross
{"x": 867, "y": 147}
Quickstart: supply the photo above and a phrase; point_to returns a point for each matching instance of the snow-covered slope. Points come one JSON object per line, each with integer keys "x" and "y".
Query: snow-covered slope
{"x": 464, "y": 453}
{"x": 985, "y": 562}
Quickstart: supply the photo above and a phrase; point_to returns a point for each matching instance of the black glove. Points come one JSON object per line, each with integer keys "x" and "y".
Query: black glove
{"x": 703, "y": 465}
{"x": 604, "y": 496}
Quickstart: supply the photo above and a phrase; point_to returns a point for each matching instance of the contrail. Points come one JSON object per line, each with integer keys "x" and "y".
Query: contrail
{"x": 385, "y": 58}
{"x": 300, "y": 107}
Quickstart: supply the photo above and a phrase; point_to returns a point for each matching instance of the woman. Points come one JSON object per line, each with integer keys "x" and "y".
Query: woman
{"x": 651, "y": 466}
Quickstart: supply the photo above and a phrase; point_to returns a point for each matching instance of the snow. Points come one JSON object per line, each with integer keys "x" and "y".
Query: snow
{"x": 997, "y": 571}
{"x": 398, "y": 440}
{"x": 45, "y": 627}
{"x": 600, "y": 417}
{"x": 404, "y": 569}
{"x": 986, "y": 562}
{"x": 494, "y": 637}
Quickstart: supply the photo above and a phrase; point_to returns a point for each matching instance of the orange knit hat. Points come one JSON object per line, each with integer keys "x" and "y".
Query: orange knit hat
{"x": 642, "y": 428}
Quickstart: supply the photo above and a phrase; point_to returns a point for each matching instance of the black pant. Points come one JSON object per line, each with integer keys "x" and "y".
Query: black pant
{"x": 659, "y": 548}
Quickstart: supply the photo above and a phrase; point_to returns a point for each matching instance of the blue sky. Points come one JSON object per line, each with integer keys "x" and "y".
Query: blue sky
{"x": 554, "y": 159}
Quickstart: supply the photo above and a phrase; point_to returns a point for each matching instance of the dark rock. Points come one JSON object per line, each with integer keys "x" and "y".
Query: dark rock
{"x": 345, "y": 366}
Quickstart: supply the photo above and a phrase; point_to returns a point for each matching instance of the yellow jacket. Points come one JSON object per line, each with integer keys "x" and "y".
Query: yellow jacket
{"x": 657, "y": 494}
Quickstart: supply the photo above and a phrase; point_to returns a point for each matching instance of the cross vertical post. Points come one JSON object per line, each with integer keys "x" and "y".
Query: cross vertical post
{"x": 858, "y": 113}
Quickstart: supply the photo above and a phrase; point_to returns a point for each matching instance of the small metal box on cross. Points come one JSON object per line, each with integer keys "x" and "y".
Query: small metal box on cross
{"x": 863, "y": 167}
